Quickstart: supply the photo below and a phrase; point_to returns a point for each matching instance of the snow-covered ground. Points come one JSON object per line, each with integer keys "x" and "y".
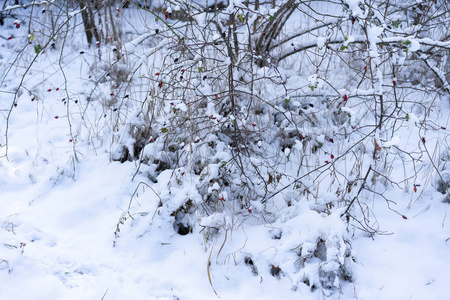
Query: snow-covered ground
{"x": 57, "y": 242}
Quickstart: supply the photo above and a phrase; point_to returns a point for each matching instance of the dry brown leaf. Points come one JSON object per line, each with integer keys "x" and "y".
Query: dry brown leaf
{"x": 270, "y": 179}
{"x": 377, "y": 147}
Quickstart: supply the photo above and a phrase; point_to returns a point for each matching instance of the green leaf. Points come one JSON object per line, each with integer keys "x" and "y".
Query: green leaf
{"x": 164, "y": 130}
{"x": 406, "y": 42}
{"x": 37, "y": 48}
{"x": 240, "y": 18}
{"x": 407, "y": 117}
{"x": 287, "y": 100}
{"x": 343, "y": 47}
{"x": 296, "y": 247}
{"x": 200, "y": 69}
{"x": 395, "y": 24}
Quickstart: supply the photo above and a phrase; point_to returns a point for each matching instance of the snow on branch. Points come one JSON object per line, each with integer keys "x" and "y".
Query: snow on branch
{"x": 34, "y": 3}
{"x": 360, "y": 39}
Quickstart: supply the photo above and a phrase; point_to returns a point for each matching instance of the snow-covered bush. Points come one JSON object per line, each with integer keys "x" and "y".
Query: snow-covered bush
{"x": 252, "y": 117}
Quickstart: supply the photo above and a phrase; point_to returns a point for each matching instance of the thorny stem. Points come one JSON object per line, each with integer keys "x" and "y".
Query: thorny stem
{"x": 359, "y": 191}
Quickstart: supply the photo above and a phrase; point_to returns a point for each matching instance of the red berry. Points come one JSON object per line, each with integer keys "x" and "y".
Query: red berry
{"x": 331, "y": 140}
{"x": 443, "y": 128}
{"x": 10, "y": 38}
{"x": 182, "y": 71}
{"x": 223, "y": 199}
{"x": 70, "y": 141}
{"x": 301, "y": 137}
{"x": 253, "y": 124}
{"x": 57, "y": 89}
{"x": 30, "y": 43}
{"x": 157, "y": 74}
{"x": 353, "y": 20}
{"x": 118, "y": 10}
{"x": 249, "y": 210}
{"x": 15, "y": 104}
{"x": 353, "y": 127}
{"x": 216, "y": 95}
{"x": 112, "y": 94}
{"x": 345, "y": 97}
{"x": 182, "y": 173}
{"x": 197, "y": 141}
{"x": 404, "y": 217}
{"x": 171, "y": 103}
{"x": 263, "y": 34}
{"x": 332, "y": 156}
{"x": 63, "y": 99}
{"x": 56, "y": 117}
{"x": 98, "y": 44}
{"x": 415, "y": 189}
{"x": 365, "y": 67}
{"x": 394, "y": 82}
{"x": 423, "y": 140}
{"x": 327, "y": 162}
{"x": 49, "y": 90}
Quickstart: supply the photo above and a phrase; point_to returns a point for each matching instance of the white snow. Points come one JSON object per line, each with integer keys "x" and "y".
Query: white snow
{"x": 394, "y": 142}
{"x": 320, "y": 42}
